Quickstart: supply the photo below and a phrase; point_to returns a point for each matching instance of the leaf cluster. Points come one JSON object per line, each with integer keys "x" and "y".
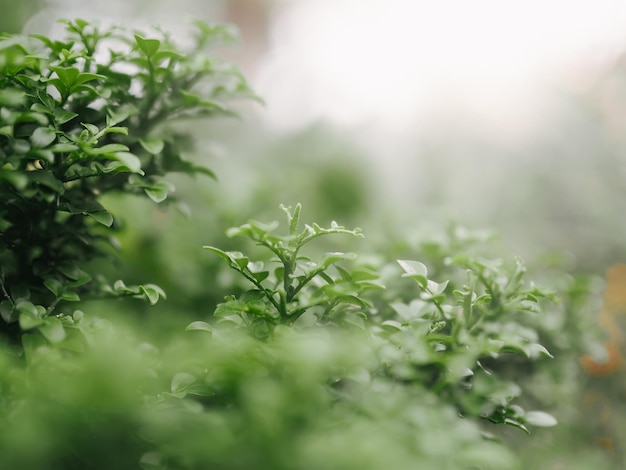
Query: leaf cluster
{"x": 81, "y": 117}
{"x": 292, "y": 288}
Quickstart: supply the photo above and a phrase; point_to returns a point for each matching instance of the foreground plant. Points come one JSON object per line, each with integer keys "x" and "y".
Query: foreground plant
{"x": 454, "y": 337}
{"x": 81, "y": 117}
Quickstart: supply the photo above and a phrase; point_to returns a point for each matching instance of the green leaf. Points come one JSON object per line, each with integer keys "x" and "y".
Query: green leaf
{"x": 158, "y": 192}
{"x": 93, "y": 130}
{"x": 153, "y": 146}
{"x": 540, "y": 419}
{"x": 70, "y": 296}
{"x": 181, "y": 382}
{"x": 436, "y": 288}
{"x": 148, "y": 46}
{"x": 116, "y": 116}
{"x": 7, "y": 311}
{"x": 391, "y": 325}
{"x": 63, "y": 148}
{"x": 54, "y": 286}
{"x": 53, "y": 330}
{"x": 217, "y": 251}
{"x": 86, "y": 77}
{"x": 152, "y": 292}
{"x": 535, "y": 350}
{"x": 260, "y": 276}
{"x": 29, "y": 316}
{"x": 39, "y": 118}
{"x": 415, "y": 270}
{"x": 70, "y": 78}
{"x": 109, "y": 149}
{"x": 126, "y": 161}
{"x": 191, "y": 99}
{"x": 412, "y": 268}
{"x": 11, "y": 97}
{"x": 199, "y": 326}
{"x": 102, "y": 217}
{"x": 236, "y": 259}
{"x": 42, "y": 137}
{"x": 331, "y": 258}
{"x": 61, "y": 116}
{"x": 67, "y": 75}
{"x": 114, "y": 130}
{"x": 516, "y": 424}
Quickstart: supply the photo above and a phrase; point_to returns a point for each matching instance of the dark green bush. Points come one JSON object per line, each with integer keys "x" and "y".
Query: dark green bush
{"x": 82, "y": 117}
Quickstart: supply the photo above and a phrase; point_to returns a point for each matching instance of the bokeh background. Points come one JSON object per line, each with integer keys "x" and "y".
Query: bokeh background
{"x": 400, "y": 116}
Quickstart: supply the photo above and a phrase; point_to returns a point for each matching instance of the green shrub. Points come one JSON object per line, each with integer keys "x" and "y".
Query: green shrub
{"x": 82, "y": 117}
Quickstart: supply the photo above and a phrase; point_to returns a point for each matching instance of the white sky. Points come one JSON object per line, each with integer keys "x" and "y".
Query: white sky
{"x": 393, "y": 62}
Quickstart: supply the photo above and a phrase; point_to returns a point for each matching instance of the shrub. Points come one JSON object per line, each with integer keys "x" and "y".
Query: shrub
{"x": 81, "y": 117}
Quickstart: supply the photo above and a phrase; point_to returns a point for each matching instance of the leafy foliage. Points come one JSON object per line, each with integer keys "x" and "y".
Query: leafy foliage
{"x": 81, "y": 117}
{"x": 453, "y": 336}
{"x": 298, "y": 288}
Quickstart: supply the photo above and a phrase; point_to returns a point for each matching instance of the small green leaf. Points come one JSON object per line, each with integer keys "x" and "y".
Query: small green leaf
{"x": 152, "y": 292}
{"x": 7, "y": 311}
{"x": 412, "y": 268}
{"x": 148, "y": 46}
{"x": 86, "y": 77}
{"x": 102, "y": 217}
{"x": 70, "y": 296}
{"x": 63, "y": 148}
{"x": 199, "y": 326}
{"x": 158, "y": 192}
{"x": 515, "y": 423}
{"x": 217, "y": 251}
{"x": 415, "y": 270}
{"x": 534, "y": 350}
{"x": 93, "y": 130}
{"x": 391, "y": 325}
{"x": 61, "y": 116}
{"x": 181, "y": 382}
{"x": 153, "y": 146}
{"x": 117, "y": 116}
{"x": 540, "y": 419}
{"x": 53, "y": 330}
{"x": 106, "y": 149}
{"x": 332, "y": 258}
{"x": 126, "y": 161}
{"x": 54, "y": 286}
{"x": 114, "y": 130}
{"x": 67, "y": 75}
{"x": 191, "y": 99}
{"x": 436, "y": 288}
{"x": 29, "y": 316}
{"x": 260, "y": 276}
{"x": 42, "y": 137}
